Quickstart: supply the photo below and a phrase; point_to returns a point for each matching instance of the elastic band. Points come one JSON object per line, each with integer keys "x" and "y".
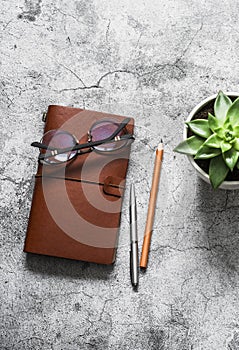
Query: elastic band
{"x": 79, "y": 180}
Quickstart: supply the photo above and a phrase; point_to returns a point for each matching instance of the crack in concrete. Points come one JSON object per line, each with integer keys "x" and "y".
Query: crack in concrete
{"x": 134, "y": 73}
{"x": 66, "y": 14}
{"x": 189, "y": 44}
{"x": 97, "y": 85}
{"x": 208, "y": 298}
{"x": 103, "y": 309}
{"x": 6, "y": 25}
{"x": 158, "y": 67}
{"x": 10, "y": 101}
{"x": 8, "y": 178}
{"x": 76, "y": 75}
{"x": 185, "y": 282}
{"x": 107, "y": 31}
{"x": 137, "y": 44}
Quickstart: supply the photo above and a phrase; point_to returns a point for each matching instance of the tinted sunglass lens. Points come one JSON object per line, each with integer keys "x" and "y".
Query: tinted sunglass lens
{"x": 57, "y": 139}
{"x": 103, "y": 130}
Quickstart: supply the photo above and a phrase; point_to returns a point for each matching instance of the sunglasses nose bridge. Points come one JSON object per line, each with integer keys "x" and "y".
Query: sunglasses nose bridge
{"x": 89, "y": 137}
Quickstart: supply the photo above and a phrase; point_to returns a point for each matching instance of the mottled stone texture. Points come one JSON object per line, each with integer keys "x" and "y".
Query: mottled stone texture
{"x": 153, "y": 60}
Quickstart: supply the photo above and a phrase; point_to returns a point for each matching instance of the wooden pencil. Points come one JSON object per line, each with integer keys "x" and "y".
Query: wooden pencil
{"x": 151, "y": 206}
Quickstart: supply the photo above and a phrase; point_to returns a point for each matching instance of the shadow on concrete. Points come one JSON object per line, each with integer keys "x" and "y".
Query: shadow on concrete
{"x": 218, "y": 213}
{"x": 60, "y": 267}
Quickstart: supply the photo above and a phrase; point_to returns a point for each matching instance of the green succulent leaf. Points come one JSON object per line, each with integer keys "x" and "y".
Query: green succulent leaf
{"x": 215, "y": 126}
{"x": 213, "y": 122}
{"x": 206, "y": 152}
{"x": 190, "y": 146}
{"x": 218, "y": 171}
{"x": 236, "y": 144}
{"x": 236, "y": 131}
{"x": 220, "y": 132}
{"x": 225, "y": 146}
{"x": 230, "y": 157}
{"x": 221, "y": 107}
{"x": 213, "y": 141}
{"x": 200, "y": 127}
{"x": 233, "y": 113}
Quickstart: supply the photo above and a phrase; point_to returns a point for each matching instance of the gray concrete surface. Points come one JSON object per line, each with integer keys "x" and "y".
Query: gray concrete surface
{"x": 153, "y": 60}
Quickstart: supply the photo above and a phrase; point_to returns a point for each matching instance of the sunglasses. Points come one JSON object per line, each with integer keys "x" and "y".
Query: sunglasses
{"x": 59, "y": 146}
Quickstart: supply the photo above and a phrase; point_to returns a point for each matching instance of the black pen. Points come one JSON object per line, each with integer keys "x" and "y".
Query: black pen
{"x": 134, "y": 259}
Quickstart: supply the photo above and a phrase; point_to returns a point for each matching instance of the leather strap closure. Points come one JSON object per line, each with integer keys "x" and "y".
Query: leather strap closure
{"x": 111, "y": 184}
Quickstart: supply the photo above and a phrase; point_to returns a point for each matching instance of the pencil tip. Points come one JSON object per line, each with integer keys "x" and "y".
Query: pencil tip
{"x": 160, "y": 145}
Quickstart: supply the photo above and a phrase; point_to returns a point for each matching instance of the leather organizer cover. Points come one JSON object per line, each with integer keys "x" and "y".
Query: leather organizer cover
{"x": 76, "y": 206}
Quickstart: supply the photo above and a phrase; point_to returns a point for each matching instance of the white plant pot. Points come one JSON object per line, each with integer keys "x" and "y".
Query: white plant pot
{"x": 226, "y": 185}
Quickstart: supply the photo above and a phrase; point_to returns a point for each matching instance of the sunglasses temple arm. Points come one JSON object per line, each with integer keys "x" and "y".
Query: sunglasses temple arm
{"x": 115, "y": 133}
{"x": 87, "y": 145}
{"x": 121, "y": 126}
{"x": 42, "y": 146}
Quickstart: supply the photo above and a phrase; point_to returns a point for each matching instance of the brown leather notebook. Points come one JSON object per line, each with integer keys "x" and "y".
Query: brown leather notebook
{"x": 76, "y": 206}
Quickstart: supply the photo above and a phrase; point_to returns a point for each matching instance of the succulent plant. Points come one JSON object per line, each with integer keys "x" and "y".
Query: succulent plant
{"x": 216, "y": 139}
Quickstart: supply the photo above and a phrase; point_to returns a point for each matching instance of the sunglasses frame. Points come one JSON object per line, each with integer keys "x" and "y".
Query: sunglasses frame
{"x": 90, "y": 145}
{"x": 90, "y": 136}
